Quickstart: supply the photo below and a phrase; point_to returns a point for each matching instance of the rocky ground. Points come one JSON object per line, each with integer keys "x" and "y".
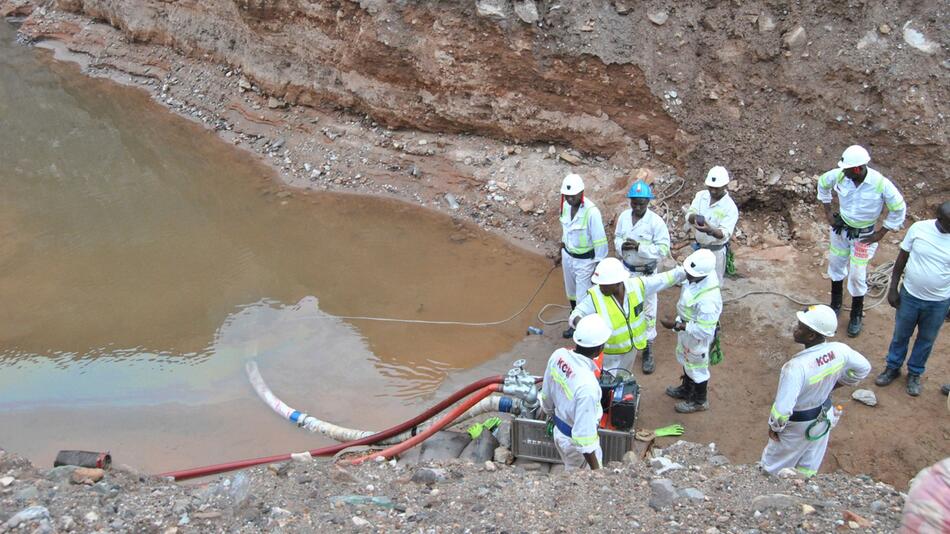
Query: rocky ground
{"x": 703, "y": 493}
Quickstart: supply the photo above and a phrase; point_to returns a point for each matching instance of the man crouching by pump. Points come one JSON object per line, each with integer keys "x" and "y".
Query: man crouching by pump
{"x": 571, "y": 393}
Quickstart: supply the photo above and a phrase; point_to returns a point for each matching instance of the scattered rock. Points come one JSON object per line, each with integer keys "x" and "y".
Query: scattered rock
{"x": 526, "y": 205}
{"x": 33, "y": 513}
{"x": 663, "y": 493}
{"x": 884, "y": 29}
{"x": 794, "y": 38}
{"x": 6, "y": 481}
{"x": 359, "y": 522}
{"x": 658, "y": 17}
{"x": 503, "y": 455}
{"x": 497, "y": 9}
{"x": 527, "y": 11}
{"x": 807, "y": 509}
{"x": 60, "y": 474}
{"x": 274, "y": 103}
{"x": 427, "y": 475}
{"x": 850, "y": 516}
{"x": 570, "y": 158}
{"x": 621, "y": 7}
{"x": 718, "y": 460}
{"x": 85, "y": 475}
{"x": 878, "y": 506}
{"x": 775, "y": 501}
{"x": 663, "y": 464}
{"x": 766, "y": 23}
{"x": 865, "y": 396}
{"x": 244, "y": 85}
{"x": 631, "y": 457}
{"x": 918, "y": 41}
{"x": 91, "y": 517}
{"x": 788, "y": 472}
{"x": 490, "y": 466}
{"x": 692, "y": 494}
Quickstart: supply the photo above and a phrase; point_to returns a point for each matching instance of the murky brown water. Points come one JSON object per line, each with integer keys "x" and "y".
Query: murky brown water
{"x": 143, "y": 261}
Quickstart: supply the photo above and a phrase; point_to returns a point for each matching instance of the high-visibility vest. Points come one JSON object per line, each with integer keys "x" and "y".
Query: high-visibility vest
{"x": 584, "y": 244}
{"x": 628, "y": 332}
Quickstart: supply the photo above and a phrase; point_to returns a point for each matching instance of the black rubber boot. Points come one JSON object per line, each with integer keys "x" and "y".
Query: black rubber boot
{"x": 888, "y": 375}
{"x": 857, "y": 314}
{"x": 569, "y": 333}
{"x": 648, "y": 364}
{"x": 913, "y": 384}
{"x": 837, "y": 294}
{"x": 683, "y": 391}
{"x": 698, "y": 402}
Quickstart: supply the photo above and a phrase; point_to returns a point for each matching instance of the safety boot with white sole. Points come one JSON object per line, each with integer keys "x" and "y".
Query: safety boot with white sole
{"x": 682, "y": 391}
{"x": 698, "y": 402}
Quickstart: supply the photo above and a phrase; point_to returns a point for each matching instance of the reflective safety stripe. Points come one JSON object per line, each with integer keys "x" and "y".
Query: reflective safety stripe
{"x": 854, "y": 223}
{"x": 899, "y": 205}
{"x": 826, "y": 373}
{"x": 556, "y": 375}
{"x": 664, "y": 249}
{"x": 687, "y": 313}
{"x": 626, "y": 332}
{"x": 584, "y": 244}
{"x": 859, "y": 261}
{"x": 695, "y": 365}
{"x": 835, "y": 251}
{"x": 706, "y": 323}
{"x": 806, "y": 471}
{"x": 778, "y": 416}
{"x": 584, "y": 441}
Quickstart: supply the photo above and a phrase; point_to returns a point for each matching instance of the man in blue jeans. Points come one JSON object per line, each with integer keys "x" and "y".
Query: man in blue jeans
{"x": 923, "y": 301}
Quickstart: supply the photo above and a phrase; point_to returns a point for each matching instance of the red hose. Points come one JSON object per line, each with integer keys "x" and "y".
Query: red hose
{"x": 196, "y": 472}
{"x": 444, "y": 421}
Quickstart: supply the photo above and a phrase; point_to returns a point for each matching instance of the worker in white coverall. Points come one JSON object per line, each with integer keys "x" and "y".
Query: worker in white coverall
{"x": 641, "y": 240}
{"x": 583, "y": 240}
{"x": 696, "y": 322}
{"x": 713, "y": 216}
{"x": 570, "y": 393}
{"x": 802, "y": 416}
{"x": 620, "y": 299}
{"x": 862, "y": 194}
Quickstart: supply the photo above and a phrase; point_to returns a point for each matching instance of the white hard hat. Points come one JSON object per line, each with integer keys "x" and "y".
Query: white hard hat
{"x": 854, "y": 156}
{"x": 700, "y": 263}
{"x": 609, "y": 271}
{"x": 572, "y": 184}
{"x": 591, "y": 331}
{"x": 718, "y": 176}
{"x": 819, "y": 318}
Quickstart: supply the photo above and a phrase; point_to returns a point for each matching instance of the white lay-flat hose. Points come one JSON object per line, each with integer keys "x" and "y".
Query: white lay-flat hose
{"x": 343, "y": 434}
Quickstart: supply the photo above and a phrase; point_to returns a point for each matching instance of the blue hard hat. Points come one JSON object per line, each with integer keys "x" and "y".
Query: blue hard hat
{"x": 640, "y": 189}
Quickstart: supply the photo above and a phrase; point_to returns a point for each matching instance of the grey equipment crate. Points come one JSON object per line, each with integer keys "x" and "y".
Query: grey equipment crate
{"x": 530, "y": 440}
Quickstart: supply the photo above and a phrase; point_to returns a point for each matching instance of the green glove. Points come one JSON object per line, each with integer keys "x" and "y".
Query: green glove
{"x": 491, "y": 423}
{"x": 672, "y": 430}
{"x": 549, "y": 429}
{"x": 476, "y": 430}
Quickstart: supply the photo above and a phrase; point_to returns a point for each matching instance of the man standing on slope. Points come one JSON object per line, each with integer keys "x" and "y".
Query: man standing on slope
{"x": 697, "y": 320}
{"x": 641, "y": 240}
{"x": 802, "y": 415}
{"x": 583, "y": 240}
{"x": 862, "y": 194}
{"x": 713, "y": 216}
{"x": 571, "y": 394}
{"x": 923, "y": 300}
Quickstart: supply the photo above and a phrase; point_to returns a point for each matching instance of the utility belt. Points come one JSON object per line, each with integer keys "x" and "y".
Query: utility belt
{"x": 840, "y": 227}
{"x": 801, "y": 416}
{"x": 649, "y": 268}
{"x": 562, "y": 426}
{"x": 589, "y": 255}
{"x": 714, "y": 248}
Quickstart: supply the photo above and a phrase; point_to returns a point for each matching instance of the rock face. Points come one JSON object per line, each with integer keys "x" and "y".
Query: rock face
{"x": 586, "y": 74}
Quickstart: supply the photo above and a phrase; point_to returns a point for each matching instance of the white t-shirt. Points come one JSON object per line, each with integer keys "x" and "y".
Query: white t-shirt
{"x": 927, "y": 274}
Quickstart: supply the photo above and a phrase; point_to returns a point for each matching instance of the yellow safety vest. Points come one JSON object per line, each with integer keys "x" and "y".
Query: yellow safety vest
{"x": 584, "y": 244}
{"x": 628, "y": 332}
